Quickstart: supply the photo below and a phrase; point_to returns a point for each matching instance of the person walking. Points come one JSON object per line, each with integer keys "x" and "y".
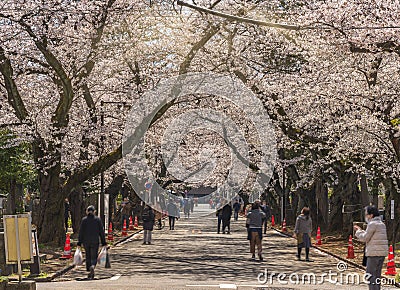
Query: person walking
{"x": 66, "y": 213}
{"x": 236, "y": 209}
{"x": 172, "y": 211}
{"x": 148, "y": 218}
{"x": 302, "y": 232}
{"x": 90, "y": 231}
{"x": 255, "y": 220}
{"x": 247, "y": 210}
{"x": 158, "y": 215}
{"x": 186, "y": 207}
{"x": 375, "y": 238}
{"x": 265, "y": 208}
{"x": 226, "y": 217}
{"x": 125, "y": 211}
{"x": 191, "y": 204}
{"x": 135, "y": 210}
{"x": 211, "y": 203}
{"x": 181, "y": 203}
{"x": 219, "y": 216}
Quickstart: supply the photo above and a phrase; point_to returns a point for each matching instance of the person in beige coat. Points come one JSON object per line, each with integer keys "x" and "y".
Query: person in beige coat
{"x": 302, "y": 232}
{"x": 375, "y": 237}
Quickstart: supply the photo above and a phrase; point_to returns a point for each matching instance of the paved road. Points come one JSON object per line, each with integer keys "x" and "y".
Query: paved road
{"x": 194, "y": 256}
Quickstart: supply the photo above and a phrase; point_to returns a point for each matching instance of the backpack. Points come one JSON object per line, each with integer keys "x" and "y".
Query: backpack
{"x": 146, "y": 216}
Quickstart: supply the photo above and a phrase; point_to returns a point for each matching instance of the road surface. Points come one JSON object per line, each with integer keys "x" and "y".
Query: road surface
{"x": 194, "y": 256}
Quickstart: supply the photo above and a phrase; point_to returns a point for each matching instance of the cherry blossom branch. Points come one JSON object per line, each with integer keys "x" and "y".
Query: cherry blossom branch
{"x": 323, "y": 26}
{"x": 387, "y": 46}
{"x": 14, "y": 97}
{"x": 60, "y": 118}
{"x": 241, "y": 19}
{"x": 392, "y": 150}
{"x": 106, "y": 161}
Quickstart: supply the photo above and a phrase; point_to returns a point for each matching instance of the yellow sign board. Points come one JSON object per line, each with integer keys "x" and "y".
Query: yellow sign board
{"x": 18, "y": 238}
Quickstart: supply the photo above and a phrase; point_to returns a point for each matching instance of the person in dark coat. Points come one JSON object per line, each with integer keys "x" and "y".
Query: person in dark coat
{"x": 265, "y": 208}
{"x": 226, "y": 217}
{"x": 186, "y": 207}
{"x": 66, "y": 213}
{"x": 218, "y": 213}
{"x": 236, "y": 208}
{"x": 148, "y": 218}
{"x": 89, "y": 233}
{"x": 135, "y": 210}
{"x": 126, "y": 209}
{"x": 191, "y": 204}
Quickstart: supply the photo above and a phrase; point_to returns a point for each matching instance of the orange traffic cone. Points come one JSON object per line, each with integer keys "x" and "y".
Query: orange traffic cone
{"x": 131, "y": 228}
{"x": 67, "y": 249}
{"x": 110, "y": 236}
{"x": 272, "y": 221}
{"x": 350, "y": 249}
{"x": 391, "y": 266}
{"x": 319, "y": 242}
{"x": 284, "y": 226}
{"x": 124, "y": 233}
{"x": 136, "y": 225}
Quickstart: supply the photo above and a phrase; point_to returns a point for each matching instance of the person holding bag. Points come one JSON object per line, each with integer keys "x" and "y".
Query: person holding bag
{"x": 102, "y": 258}
{"x": 90, "y": 231}
{"x": 78, "y": 259}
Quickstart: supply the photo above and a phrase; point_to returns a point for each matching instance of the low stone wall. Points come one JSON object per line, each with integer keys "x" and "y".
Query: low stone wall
{"x": 24, "y": 285}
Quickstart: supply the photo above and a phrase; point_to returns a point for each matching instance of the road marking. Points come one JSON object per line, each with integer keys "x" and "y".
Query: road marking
{"x": 116, "y": 277}
{"x": 195, "y": 285}
{"x": 227, "y": 286}
{"x": 220, "y": 286}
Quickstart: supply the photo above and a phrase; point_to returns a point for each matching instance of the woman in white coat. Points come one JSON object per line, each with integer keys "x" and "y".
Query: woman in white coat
{"x": 376, "y": 249}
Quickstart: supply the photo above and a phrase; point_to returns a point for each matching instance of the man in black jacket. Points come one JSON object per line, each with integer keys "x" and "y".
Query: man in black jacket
{"x": 90, "y": 231}
{"x": 226, "y": 217}
{"x": 265, "y": 208}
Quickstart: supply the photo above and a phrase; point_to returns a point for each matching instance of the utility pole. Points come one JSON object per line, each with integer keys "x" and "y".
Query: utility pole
{"x": 101, "y": 201}
{"x": 283, "y": 195}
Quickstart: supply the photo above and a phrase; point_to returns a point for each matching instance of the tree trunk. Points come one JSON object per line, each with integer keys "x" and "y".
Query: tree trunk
{"x": 77, "y": 209}
{"x": 375, "y": 192}
{"x": 345, "y": 193}
{"x": 290, "y": 215}
{"x": 336, "y": 215}
{"x": 321, "y": 192}
{"x": 272, "y": 200}
{"x": 393, "y": 226}
{"x": 365, "y": 200}
{"x": 279, "y": 193}
{"x": 51, "y": 222}
{"x": 11, "y": 198}
{"x": 308, "y": 200}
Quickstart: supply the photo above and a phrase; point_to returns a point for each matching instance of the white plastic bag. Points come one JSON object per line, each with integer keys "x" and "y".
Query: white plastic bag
{"x": 102, "y": 258}
{"x": 78, "y": 259}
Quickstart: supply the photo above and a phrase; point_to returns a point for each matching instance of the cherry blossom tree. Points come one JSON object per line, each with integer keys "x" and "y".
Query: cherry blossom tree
{"x": 326, "y": 71}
